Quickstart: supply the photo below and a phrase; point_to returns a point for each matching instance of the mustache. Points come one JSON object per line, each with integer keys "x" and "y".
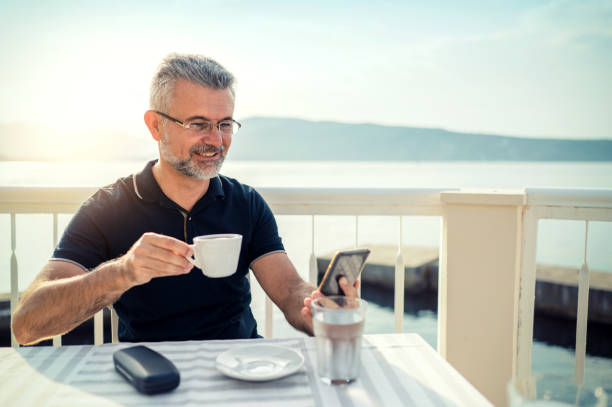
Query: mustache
{"x": 207, "y": 148}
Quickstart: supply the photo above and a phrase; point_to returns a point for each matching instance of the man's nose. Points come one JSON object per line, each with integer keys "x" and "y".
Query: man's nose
{"x": 213, "y": 137}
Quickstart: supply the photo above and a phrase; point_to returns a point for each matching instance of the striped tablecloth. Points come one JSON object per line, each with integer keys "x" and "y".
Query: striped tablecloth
{"x": 397, "y": 370}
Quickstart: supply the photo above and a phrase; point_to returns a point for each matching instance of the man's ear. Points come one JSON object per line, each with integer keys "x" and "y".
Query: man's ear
{"x": 153, "y": 123}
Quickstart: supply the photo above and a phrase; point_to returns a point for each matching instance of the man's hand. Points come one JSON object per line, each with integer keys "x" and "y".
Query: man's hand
{"x": 349, "y": 291}
{"x": 155, "y": 255}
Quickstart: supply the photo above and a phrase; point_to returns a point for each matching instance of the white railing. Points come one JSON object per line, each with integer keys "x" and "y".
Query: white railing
{"x": 398, "y": 202}
{"x": 577, "y": 204}
{"x": 356, "y": 202}
{"x": 487, "y": 269}
{"x": 45, "y": 200}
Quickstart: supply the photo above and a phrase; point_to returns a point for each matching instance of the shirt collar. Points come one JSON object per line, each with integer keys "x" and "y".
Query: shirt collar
{"x": 147, "y": 189}
{"x": 216, "y": 188}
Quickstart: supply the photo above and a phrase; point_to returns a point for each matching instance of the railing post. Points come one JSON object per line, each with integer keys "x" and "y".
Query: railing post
{"x": 480, "y": 274}
{"x": 526, "y": 305}
{"x": 357, "y": 245}
{"x": 57, "y": 340}
{"x": 114, "y": 326}
{"x": 14, "y": 276}
{"x": 582, "y": 314}
{"x": 269, "y": 312}
{"x": 442, "y": 293}
{"x": 398, "y": 303}
{"x": 99, "y": 327}
{"x": 313, "y": 269}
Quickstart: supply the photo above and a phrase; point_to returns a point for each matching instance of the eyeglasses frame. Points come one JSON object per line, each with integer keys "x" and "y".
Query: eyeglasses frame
{"x": 188, "y": 125}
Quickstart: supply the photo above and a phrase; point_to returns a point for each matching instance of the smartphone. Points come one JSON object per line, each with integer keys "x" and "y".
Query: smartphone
{"x": 347, "y": 263}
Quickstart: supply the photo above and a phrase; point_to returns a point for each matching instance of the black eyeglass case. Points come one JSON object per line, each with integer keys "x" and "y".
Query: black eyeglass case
{"x": 147, "y": 370}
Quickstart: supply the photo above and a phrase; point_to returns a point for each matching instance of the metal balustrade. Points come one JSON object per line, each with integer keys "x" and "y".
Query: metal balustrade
{"x": 522, "y": 208}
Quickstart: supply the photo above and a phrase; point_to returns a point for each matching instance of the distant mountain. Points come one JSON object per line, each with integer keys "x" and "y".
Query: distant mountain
{"x": 294, "y": 139}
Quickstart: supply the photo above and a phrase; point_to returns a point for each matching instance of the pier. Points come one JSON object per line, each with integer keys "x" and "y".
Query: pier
{"x": 556, "y": 286}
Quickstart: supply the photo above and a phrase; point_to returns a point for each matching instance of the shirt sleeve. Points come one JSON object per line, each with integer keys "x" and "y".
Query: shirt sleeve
{"x": 265, "y": 238}
{"x": 83, "y": 241}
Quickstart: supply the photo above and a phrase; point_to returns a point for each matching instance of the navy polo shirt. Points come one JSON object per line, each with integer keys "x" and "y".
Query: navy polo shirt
{"x": 190, "y": 306}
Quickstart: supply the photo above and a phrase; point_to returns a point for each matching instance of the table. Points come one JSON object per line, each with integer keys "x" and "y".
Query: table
{"x": 397, "y": 370}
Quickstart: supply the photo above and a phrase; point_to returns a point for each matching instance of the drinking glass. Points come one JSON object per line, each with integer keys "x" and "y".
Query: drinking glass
{"x": 338, "y": 326}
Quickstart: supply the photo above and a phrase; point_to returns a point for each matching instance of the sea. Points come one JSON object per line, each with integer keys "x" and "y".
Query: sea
{"x": 560, "y": 243}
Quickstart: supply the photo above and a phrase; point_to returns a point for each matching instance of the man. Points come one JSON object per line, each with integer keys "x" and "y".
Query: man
{"x": 127, "y": 244}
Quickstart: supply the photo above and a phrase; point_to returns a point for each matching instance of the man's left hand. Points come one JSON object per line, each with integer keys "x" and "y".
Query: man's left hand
{"x": 347, "y": 289}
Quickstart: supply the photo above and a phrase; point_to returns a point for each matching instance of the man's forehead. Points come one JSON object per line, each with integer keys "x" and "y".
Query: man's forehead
{"x": 195, "y": 95}
{"x": 186, "y": 86}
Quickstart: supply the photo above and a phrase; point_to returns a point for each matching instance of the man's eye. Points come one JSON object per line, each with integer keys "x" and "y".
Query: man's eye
{"x": 225, "y": 125}
{"x": 199, "y": 126}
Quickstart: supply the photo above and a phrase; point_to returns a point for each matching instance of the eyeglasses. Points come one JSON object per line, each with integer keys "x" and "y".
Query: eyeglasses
{"x": 226, "y": 127}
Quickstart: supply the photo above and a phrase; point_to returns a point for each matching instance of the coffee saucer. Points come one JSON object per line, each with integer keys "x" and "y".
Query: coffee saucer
{"x": 259, "y": 362}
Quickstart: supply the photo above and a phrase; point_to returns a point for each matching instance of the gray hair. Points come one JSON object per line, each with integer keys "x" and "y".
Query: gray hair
{"x": 194, "y": 68}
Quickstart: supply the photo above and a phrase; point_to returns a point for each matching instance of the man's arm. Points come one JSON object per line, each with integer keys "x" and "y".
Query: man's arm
{"x": 63, "y": 295}
{"x": 281, "y": 282}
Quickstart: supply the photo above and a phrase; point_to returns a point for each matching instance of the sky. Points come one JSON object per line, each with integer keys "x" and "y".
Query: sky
{"x": 522, "y": 68}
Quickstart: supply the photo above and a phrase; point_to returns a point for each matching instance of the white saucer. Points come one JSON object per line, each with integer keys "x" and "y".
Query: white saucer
{"x": 259, "y": 362}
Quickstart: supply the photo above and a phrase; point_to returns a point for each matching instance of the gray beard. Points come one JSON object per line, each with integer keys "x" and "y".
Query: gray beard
{"x": 190, "y": 167}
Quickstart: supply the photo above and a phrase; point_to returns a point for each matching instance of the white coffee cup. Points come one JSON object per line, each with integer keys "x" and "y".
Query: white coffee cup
{"x": 216, "y": 255}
